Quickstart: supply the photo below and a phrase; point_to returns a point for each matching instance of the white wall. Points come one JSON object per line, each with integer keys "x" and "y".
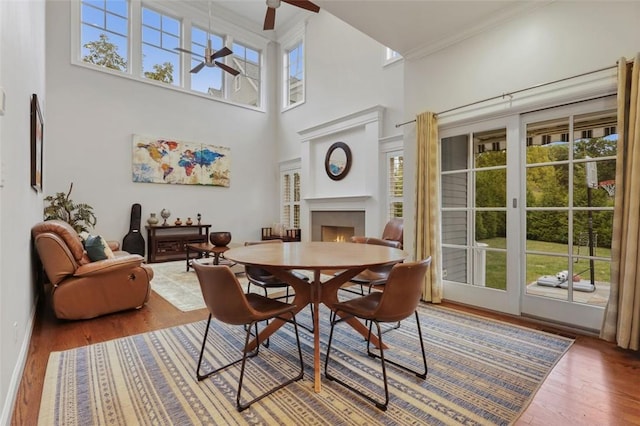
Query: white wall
{"x": 555, "y": 41}
{"x": 345, "y": 75}
{"x": 92, "y": 116}
{"x": 22, "y": 73}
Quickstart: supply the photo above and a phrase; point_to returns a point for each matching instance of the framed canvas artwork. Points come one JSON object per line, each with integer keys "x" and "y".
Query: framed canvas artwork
{"x": 37, "y": 133}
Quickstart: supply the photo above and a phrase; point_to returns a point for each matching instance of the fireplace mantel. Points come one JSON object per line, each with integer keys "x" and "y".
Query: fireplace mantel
{"x": 338, "y": 199}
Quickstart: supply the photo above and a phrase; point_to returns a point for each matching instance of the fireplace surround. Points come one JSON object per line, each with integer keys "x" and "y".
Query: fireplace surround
{"x": 354, "y": 220}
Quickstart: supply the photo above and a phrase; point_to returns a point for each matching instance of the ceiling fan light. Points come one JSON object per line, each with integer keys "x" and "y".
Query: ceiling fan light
{"x": 273, "y": 3}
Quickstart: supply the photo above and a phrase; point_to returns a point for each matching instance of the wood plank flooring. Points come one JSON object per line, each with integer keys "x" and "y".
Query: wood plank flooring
{"x": 595, "y": 383}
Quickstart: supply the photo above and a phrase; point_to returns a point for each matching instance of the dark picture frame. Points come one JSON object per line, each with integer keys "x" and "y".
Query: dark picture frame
{"x": 337, "y": 162}
{"x": 37, "y": 136}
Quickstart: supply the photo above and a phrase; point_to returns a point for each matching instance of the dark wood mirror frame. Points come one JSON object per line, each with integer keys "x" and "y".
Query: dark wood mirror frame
{"x": 340, "y": 152}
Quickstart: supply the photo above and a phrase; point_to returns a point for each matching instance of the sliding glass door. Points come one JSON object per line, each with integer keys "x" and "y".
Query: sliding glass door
{"x": 527, "y": 212}
{"x": 480, "y": 230}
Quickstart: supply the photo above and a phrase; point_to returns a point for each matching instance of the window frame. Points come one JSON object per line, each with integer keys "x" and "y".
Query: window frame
{"x": 188, "y": 15}
{"x": 162, "y": 14}
{"x": 290, "y": 168}
{"x": 289, "y": 41}
{"x": 390, "y": 56}
{"x": 76, "y": 35}
{"x": 390, "y": 147}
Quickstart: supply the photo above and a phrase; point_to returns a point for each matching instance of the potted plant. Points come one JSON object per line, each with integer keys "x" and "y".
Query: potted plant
{"x": 80, "y": 216}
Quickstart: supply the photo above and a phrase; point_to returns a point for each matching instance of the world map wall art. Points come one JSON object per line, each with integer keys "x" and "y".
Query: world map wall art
{"x": 178, "y": 162}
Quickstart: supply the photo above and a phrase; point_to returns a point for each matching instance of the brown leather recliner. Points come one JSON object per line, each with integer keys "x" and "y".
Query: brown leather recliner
{"x": 82, "y": 289}
{"x": 392, "y": 235}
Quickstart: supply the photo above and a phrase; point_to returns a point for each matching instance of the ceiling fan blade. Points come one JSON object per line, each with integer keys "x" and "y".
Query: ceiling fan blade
{"x": 270, "y": 19}
{"x": 180, "y": 49}
{"x": 304, "y": 4}
{"x": 221, "y": 53}
{"x": 197, "y": 67}
{"x": 227, "y": 68}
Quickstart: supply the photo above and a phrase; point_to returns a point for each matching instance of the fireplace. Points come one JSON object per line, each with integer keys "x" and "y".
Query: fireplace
{"x": 336, "y": 225}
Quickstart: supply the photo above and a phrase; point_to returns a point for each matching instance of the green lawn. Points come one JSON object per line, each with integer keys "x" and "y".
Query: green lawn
{"x": 538, "y": 265}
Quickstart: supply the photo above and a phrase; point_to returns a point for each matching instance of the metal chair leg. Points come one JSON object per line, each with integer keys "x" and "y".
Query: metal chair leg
{"x": 240, "y": 406}
{"x": 202, "y": 376}
{"x": 381, "y": 405}
{"x": 424, "y": 356}
{"x": 245, "y": 354}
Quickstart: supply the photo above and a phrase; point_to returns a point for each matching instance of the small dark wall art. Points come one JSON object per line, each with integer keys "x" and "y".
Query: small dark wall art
{"x": 337, "y": 162}
{"x": 37, "y": 134}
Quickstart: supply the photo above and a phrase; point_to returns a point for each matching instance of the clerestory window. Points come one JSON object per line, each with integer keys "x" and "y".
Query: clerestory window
{"x": 294, "y": 75}
{"x": 247, "y": 61}
{"x": 139, "y": 42}
{"x": 160, "y": 35}
{"x": 209, "y": 80}
{"x": 104, "y": 33}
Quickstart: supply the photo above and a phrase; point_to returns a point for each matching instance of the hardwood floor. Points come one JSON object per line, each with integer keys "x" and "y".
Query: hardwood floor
{"x": 595, "y": 383}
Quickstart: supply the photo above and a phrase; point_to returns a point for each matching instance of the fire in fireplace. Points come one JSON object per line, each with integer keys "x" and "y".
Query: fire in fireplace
{"x": 337, "y": 233}
{"x": 336, "y": 225}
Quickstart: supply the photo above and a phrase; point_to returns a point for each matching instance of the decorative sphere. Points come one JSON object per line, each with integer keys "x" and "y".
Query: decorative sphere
{"x": 220, "y": 239}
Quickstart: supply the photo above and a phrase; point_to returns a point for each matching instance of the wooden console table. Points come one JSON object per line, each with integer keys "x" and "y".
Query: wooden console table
{"x": 169, "y": 242}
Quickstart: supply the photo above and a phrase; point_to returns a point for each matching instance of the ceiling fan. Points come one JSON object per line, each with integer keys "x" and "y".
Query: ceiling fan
{"x": 272, "y": 5}
{"x": 211, "y": 55}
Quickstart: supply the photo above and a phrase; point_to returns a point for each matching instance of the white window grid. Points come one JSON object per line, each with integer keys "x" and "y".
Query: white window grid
{"x": 294, "y": 72}
{"x": 105, "y": 17}
{"x": 160, "y": 33}
{"x": 213, "y": 77}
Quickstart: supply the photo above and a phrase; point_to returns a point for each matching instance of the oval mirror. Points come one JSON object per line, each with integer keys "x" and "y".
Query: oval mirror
{"x": 338, "y": 160}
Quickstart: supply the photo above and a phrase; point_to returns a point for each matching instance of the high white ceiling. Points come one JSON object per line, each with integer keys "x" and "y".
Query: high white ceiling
{"x": 411, "y": 27}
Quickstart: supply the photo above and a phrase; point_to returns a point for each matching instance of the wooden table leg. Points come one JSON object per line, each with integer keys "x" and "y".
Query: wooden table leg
{"x": 302, "y": 298}
{"x": 316, "y": 289}
{"x": 330, "y": 297}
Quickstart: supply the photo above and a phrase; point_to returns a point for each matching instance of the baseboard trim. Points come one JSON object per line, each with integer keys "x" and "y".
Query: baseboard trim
{"x": 16, "y": 377}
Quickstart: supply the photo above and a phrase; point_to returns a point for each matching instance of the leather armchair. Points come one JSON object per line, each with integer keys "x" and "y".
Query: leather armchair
{"x": 82, "y": 289}
{"x": 392, "y": 235}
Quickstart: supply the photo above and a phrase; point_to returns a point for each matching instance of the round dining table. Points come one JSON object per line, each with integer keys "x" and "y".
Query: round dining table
{"x": 343, "y": 259}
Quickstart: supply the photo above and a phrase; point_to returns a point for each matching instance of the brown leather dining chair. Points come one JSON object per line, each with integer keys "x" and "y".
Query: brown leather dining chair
{"x": 397, "y": 302}
{"x": 227, "y": 302}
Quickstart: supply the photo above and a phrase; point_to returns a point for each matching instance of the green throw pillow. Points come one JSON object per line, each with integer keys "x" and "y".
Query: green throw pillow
{"x": 97, "y": 248}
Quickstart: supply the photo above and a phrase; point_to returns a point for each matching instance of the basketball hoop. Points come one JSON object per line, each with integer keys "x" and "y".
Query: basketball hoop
{"x": 609, "y": 186}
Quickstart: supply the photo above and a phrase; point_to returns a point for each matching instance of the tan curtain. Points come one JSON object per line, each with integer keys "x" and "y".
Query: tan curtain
{"x": 428, "y": 205}
{"x": 622, "y": 315}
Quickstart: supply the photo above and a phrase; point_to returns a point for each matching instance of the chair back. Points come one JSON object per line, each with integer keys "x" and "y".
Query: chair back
{"x": 59, "y": 247}
{"x": 256, "y": 272}
{"x": 402, "y": 292}
{"x": 394, "y": 230}
{"x": 223, "y": 294}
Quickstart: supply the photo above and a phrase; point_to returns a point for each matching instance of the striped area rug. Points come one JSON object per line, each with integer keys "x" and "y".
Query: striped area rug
{"x": 481, "y": 372}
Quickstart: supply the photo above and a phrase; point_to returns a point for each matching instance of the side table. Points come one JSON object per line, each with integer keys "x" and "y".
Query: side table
{"x": 205, "y": 250}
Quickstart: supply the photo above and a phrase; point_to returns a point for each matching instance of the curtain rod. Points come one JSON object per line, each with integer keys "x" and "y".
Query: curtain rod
{"x": 514, "y": 92}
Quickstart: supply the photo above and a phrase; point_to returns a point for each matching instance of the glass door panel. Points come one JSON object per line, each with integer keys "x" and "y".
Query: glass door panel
{"x": 569, "y": 165}
{"x": 474, "y": 188}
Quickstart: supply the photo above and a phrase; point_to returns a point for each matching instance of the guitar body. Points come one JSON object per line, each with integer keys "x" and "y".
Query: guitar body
{"x": 133, "y": 242}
